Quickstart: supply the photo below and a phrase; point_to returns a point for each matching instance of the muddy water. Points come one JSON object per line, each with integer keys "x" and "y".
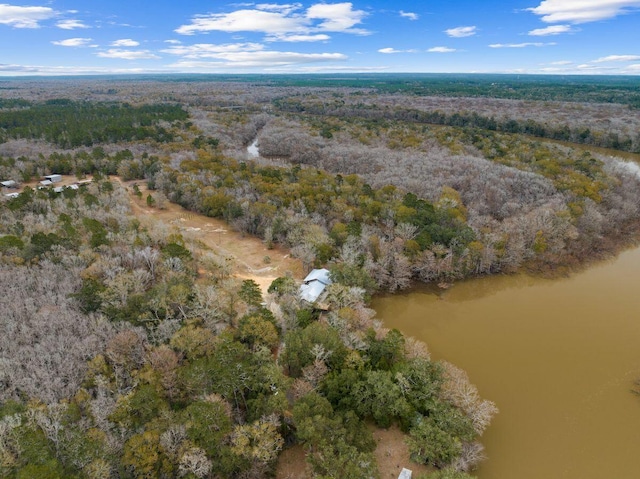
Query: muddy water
{"x": 557, "y": 356}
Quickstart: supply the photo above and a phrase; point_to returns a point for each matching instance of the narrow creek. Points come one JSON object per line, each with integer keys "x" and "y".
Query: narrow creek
{"x": 559, "y": 357}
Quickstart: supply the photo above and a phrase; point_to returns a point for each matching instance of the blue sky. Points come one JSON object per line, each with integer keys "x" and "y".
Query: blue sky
{"x": 64, "y": 37}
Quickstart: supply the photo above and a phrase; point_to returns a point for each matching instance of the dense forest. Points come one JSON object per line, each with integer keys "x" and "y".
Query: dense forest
{"x": 69, "y": 124}
{"x": 123, "y": 361}
{"x": 137, "y": 353}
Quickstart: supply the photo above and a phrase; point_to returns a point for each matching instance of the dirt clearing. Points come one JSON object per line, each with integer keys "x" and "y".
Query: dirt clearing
{"x": 251, "y": 258}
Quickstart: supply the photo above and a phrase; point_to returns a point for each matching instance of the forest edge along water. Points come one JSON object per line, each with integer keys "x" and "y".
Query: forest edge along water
{"x": 558, "y": 356}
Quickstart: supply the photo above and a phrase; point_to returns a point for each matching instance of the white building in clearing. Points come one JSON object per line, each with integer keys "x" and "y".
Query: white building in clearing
{"x": 314, "y": 285}
{"x": 53, "y": 178}
{"x": 9, "y": 184}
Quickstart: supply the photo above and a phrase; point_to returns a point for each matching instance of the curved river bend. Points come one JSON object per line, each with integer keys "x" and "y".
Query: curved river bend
{"x": 558, "y": 357}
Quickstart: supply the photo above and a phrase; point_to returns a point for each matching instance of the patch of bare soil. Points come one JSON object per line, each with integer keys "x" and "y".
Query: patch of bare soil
{"x": 392, "y": 454}
{"x": 292, "y": 464}
{"x": 252, "y": 259}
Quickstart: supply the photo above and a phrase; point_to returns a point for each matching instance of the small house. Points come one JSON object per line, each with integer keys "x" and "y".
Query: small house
{"x": 314, "y": 285}
{"x": 53, "y": 178}
{"x": 12, "y": 195}
{"x": 9, "y": 184}
{"x": 46, "y": 183}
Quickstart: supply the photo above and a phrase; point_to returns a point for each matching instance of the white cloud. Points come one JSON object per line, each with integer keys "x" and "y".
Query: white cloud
{"x": 24, "y": 17}
{"x": 551, "y": 30}
{"x": 460, "y": 32}
{"x": 319, "y": 37}
{"x": 198, "y": 66}
{"x": 261, "y": 59}
{"x": 520, "y": 45}
{"x": 633, "y": 68}
{"x": 242, "y": 55}
{"x": 126, "y": 25}
{"x": 594, "y": 68}
{"x": 332, "y": 68}
{"x": 441, "y": 50}
{"x": 553, "y": 70}
{"x": 73, "y": 42}
{"x": 210, "y": 50}
{"x": 285, "y": 21}
{"x": 393, "y": 50}
{"x": 617, "y": 58}
{"x": 71, "y": 24}
{"x": 9, "y": 69}
{"x": 173, "y": 42}
{"x": 127, "y": 54}
{"x": 274, "y": 7}
{"x": 562, "y": 62}
{"x": 243, "y": 21}
{"x": 582, "y": 11}
{"x": 409, "y": 15}
{"x": 338, "y": 17}
{"x": 125, "y": 42}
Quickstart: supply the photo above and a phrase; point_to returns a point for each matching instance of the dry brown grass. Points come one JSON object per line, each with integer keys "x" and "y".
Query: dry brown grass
{"x": 292, "y": 464}
{"x": 392, "y": 454}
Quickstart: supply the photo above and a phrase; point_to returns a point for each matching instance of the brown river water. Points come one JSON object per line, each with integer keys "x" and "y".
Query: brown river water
{"x": 559, "y": 357}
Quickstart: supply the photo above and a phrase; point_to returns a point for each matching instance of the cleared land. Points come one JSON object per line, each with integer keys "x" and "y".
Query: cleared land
{"x": 251, "y": 258}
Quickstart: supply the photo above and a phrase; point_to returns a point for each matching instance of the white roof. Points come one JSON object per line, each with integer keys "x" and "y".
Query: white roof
{"x": 321, "y": 275}
{"x": 314, "y": 285}
{"x": 46, "y": 182}
{"x": 405, "y": 474}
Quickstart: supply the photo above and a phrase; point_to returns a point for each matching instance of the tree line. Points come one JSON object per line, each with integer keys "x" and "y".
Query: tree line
{"x": 579, "y": 89}
{"x": 70, "y": 124}
{"x": 465, "y": 119}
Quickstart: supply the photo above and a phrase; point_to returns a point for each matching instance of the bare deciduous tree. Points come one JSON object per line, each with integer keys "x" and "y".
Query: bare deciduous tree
{"x": 46, "y": 340}
{"x": 194, "y": 461}
{"x": 458, "y": 390}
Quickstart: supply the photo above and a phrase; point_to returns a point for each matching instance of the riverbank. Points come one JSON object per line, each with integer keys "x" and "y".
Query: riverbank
{"x": 608, "y": 248}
